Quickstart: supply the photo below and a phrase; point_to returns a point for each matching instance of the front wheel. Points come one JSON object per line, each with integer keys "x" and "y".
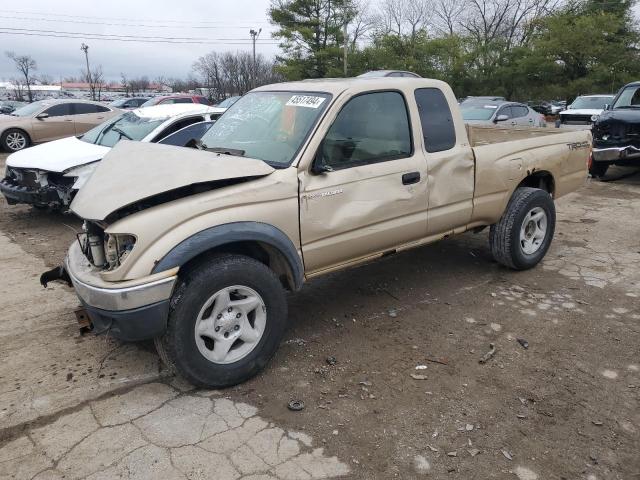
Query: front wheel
{"x": 226, "y": 320}
{"x": 523, "y": 235}
{"x": 13, "y": 140}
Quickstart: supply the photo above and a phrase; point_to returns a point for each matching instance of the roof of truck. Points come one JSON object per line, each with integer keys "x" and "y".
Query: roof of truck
{"x": 339, "y": 85}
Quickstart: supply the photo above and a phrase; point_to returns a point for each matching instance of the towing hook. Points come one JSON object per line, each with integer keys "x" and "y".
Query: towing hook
{"x": 58, "y": 273}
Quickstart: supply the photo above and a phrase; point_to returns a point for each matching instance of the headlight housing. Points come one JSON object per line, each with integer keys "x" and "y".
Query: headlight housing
{"x": 117, "y": 247}
{"x": 594, "y": 118}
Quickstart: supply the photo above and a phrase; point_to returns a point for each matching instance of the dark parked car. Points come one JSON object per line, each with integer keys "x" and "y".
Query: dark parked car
{"x": 176, "y": 99}
{"x": 616, "y": 132}
{"x": 542, "y": 106}
{"x": 129, "y": 103}
{"x": 8, "y": 106}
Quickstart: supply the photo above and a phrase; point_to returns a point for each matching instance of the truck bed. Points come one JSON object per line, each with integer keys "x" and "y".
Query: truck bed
{"x": 503, "y": 156}
{"x": 487, "y": 135}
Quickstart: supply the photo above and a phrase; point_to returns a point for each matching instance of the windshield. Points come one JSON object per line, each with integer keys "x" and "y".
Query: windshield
{"x": 28, "y": 110}
{"x": 119, "y": 103}
{"x": 628, "y": 98}
{"x": 591, "y": 103}
{"x": 151, "y": 102}
{"x": 269, "y": 126}
{"x": 128, "y": 125}
{"x": 228, "y": 102}
{"x": 477, "y": 112}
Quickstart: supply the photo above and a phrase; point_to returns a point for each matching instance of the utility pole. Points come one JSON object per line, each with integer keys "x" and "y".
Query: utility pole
{"x": 344, "y": 57}
{"x": 254, "y": 36}
{"x": 85, "y": 48}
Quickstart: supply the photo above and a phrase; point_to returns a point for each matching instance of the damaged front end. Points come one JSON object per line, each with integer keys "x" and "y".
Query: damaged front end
{"x": 37, "y": 187}
{"x": 616, "y": 138}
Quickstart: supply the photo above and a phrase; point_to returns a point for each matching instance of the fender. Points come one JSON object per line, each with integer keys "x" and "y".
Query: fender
{"x": 229, "y": 233}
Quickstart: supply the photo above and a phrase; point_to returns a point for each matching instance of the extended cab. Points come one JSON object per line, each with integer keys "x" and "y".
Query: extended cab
{"x": 195, "y": 248}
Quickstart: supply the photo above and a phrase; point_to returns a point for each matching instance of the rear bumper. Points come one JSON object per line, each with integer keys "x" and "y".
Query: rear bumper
{"x": 15, "y": 194}
{"x": 130, "y": 313}
{"x": 617, "y": 154}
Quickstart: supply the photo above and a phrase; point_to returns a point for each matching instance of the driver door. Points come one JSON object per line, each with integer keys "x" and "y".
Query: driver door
{"x": 372, "y": 195}
{"x": 58, "y": 124}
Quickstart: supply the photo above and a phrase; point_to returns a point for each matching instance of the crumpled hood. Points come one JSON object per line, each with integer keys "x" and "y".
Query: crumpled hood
{"x": 57, "y": 156}
{"x": 134, "y": 171}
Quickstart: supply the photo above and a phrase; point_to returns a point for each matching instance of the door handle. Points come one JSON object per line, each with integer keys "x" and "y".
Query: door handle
{"x": 410, "y": 178}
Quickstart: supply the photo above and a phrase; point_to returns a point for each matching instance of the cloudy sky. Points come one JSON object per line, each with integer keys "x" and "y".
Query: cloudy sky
{"x": 220, "y": 25}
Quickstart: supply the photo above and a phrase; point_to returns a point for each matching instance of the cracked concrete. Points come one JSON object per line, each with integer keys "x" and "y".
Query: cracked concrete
{"x": 45, "y": 365}
{"x": 156, "y": 431}
{"x": 79, "y": 407}
{"x": 597, "y": 251}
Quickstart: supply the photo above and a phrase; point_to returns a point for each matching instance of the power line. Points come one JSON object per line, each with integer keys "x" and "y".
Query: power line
{"x": 127, "y": 37}
{"x": 203, "y": 22}
{"x": 137, "y": 25}
{"x": 168, "y": 41}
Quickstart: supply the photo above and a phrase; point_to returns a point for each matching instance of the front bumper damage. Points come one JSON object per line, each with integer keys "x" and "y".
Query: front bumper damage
{"x": 129, "y": 311}
{"x": 622, "y": 155}
{"x": 16, "y": 193}
{"x": 36, "y": 187}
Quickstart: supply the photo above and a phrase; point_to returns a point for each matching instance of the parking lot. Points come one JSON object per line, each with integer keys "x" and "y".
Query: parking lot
{"x": 385, "y": 358}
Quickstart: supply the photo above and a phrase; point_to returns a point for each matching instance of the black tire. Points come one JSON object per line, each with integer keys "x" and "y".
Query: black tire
{"x": 598, "y": 169}
{"x": 5, "y": 139}
{"x": 504, "y": 236}
{"x": 178, "y": 348}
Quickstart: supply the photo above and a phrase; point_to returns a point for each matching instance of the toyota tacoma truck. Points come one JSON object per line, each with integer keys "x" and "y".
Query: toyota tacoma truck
{"x": 195, "y": 248}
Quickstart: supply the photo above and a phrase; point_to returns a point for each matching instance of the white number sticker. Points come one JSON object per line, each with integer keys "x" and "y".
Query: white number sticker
{"x": 308, "y": 101}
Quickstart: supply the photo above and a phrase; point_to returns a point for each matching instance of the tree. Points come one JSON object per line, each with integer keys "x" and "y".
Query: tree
{"x": 26, "y": 66}
{"x": 311, "y": 34}
{"x": 227, "y": 74}
{"x": 95, "y": 79}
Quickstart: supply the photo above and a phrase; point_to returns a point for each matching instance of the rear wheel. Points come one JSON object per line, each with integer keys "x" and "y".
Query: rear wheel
{"x": 13, "y": 140}
{"x": 523, "y": 235}
{"x": 226, "y": 321}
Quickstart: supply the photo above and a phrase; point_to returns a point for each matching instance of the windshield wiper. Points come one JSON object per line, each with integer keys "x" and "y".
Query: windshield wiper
{"x": 121, "y": 133}
{"x": 227, "y": 151}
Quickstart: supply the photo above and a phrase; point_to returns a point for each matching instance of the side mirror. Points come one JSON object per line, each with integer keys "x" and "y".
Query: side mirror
{"x": 42, "y": 116}
{"x": 502, "y": 118}
{"x": 319, "y": 167}
{"x": 607, "y": 106}
{"x": 193, "y": 143}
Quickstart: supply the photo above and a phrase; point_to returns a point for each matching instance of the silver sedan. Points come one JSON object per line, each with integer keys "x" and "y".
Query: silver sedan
{"x": 501, "y": 112}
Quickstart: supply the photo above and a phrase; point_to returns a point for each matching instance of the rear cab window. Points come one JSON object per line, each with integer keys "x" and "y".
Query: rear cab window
{"x": 438, "y": 128}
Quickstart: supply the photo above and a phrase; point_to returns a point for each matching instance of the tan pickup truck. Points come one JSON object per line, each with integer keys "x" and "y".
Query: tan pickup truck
{"x": 196, "y": 247}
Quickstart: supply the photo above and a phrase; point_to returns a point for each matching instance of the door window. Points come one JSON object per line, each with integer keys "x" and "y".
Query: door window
{"x": 179, "y": 125}
{"x": 438, "y": 128}
{"x": 505, "y": 111}
{"x": 370, "y": 128}
{"x": 519, "y": 111}
{"x": 60, "y": 110}
{"x": 84, "y": 108}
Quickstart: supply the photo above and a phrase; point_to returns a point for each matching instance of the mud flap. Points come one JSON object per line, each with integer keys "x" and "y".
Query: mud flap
{"x": 58, "y": 273}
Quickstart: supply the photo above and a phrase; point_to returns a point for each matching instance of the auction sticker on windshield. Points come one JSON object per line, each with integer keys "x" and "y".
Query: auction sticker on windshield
{"x": 309, "y": 101}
